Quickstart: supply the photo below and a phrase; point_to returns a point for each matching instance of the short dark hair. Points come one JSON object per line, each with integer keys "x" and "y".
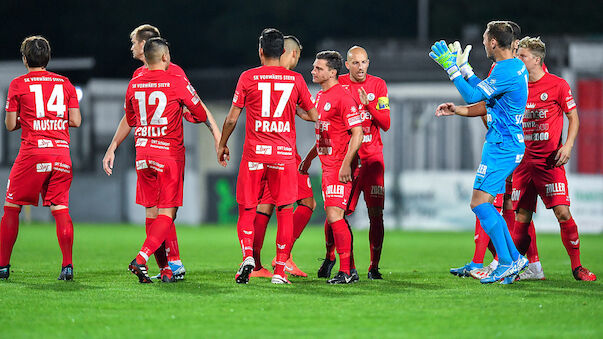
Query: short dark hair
{"x": 516, "y": 30}
{"x": 36, "y": 50}
{"x": 295, "y": 39}
{"x": 145, "y": 32}
{"x": 502, "y": 32}
{"x": 272, "y": 42}
{"x": 333, "y": 58}
{"x": 153, "y": 49}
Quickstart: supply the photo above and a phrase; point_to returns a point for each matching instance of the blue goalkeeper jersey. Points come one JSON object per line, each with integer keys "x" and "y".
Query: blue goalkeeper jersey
{"x": 506, "y": 92}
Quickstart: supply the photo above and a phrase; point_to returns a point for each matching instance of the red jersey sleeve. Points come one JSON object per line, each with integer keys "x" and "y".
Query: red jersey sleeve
{"x": 379, "y": 108}
{"x": 349, "y": 113}
{"x": 12, "y": 101}
{"x": 305, "y": 98}
{"x": 566, "y": 99}
{"x": 240, "y": 92}
{"x": 130, "y": 114}
{"x": 71, "y": 95}
{"x": 189, "y": 98}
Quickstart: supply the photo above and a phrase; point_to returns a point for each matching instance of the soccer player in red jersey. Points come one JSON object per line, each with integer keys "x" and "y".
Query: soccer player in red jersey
{"x": 44, "y": 105}
{"x": 541, "y": 172}
{"x": 138, "y": 37}
{"x": 270, "y": 95}
{"x": 154, "y": 102}
{"x": 305, "y": 199}
{"x": 338, "y": 138}
{"x": 370, "y": 94}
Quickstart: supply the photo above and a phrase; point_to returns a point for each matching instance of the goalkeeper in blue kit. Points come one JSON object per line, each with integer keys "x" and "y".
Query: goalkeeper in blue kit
{"x": 505, "y": 93}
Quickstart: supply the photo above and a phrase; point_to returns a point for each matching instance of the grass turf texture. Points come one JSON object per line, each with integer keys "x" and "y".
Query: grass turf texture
{"x": 418, "y": 297}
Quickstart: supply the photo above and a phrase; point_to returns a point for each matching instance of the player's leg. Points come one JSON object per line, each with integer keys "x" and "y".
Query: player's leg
{"x": 284, "y": 232}
{"x": 343, "y": 243}
{"x": 160, "y": 255}
{"x": 260, "y": 224}
{"x": 301, "y": 217}
{"x": 9, "y": 228}
{"x": 376, "y": 235}
{"x": 64, "y": 228}
{"x": 571, "y": 241}
{"x": 329, "y": 261}
{"x": 157, "y": 234}
{"x": 249, "y": 182}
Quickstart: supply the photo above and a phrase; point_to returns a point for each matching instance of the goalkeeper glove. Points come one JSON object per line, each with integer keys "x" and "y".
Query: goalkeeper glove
{"x": 462, "y": 59}
{"x": 445, "y": 58}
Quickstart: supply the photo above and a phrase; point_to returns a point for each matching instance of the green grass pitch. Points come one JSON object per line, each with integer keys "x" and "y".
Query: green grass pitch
{"x": 418, "y": 297}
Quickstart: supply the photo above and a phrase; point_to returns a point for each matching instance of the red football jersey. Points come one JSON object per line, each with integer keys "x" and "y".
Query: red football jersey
{"x": 154, "y": 102}
{"x": 337, "y": 114}
{"x": 377, "y": 95}
{"x": 270, "y": 95}
{"x": 548, "y": 98}
{"x": 172, "y": 69}
{"x": 42, "y": 100}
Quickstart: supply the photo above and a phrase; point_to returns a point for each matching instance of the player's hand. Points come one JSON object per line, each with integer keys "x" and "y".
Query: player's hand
{"x": 345, "y": 173}
{"x": 445, "y": 109}
{"x": 108, "y": 162}
{"x": 363, "y": 96}
{"x": 304, "y": 166}
{"x": 223, "y": 155}
{"x": 462, "y": 59}
{"x": 445, "y": 58}
{"x": 563, "y": 155}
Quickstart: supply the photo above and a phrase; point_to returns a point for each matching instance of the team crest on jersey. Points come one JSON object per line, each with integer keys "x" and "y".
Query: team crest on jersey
{"x": 371, "y": 96}
{"x": 544, "y": 96}
{"x": 327, "y": 106}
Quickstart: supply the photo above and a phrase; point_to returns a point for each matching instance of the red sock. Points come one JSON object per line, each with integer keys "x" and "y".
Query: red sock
{"x": 343, "y": 243}
{"x": 521, "y": 236}
{"x": 571, "y": 241}
{"x": 259, "y": 233}
{"x": 301, "y": 217}
{"x": 245, "y": 230}
{"x": 147, "y": 225}
{"x": 171, "y": 245}
{"x": 481, "y": 243}
{"x": 376, "y": 235}
{"x": 284, "y": 232}
{"x": 532, "y": 253}
{"x": 64, "y": 234}
{"x": 509, "y": 216}
{"x": 157, "y": 235}
{"x": 9, "y": 228}
{"x": 161, "y": 257}
{"x": 329, "y": 241}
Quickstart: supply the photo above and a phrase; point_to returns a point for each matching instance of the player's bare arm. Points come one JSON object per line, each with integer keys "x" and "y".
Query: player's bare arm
{"x": 345, "y": 172}
{"x": 311, "y": 115}
{"x": 75, "y": 117}
{"x": 229, "y": 125}
{"x": 213, "y": 128}
{"x": 122, "y": 132}
{"x": 449, "y": 108}
{"x": 11, "y": 121}
{"x": 381, "y": 118}
{"x": 564, "y": 153}
{"x": 307, "y": 161}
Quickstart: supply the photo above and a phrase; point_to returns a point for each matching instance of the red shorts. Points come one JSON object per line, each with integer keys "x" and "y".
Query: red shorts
{"x": 334, "y": 192}
{"x": 537, "y": 177}
{"x": 253, "y": 176}
{"x": 304, "y": 190}
{"x": 160, "y": 181}
{"x": 369, "y": 181}
{"x": 33, "y": 174}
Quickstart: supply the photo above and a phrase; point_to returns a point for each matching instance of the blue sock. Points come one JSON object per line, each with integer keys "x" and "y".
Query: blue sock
{"x": 489, "y": 219}
{"x": 474, "y": 265}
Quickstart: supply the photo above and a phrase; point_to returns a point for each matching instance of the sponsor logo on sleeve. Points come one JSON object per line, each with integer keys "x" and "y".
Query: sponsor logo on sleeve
{"x": 570, "y": 102}
{"x": 235, "y": 98}
{"x": 487, "y": 88}
{"x": 263, "y": 149}
{"x": 383, "y": 103}
{"x": 43, "y": 167}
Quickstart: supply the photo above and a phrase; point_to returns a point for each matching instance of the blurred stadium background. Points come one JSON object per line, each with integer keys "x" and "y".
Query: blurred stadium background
{"x": 430, "y": 162}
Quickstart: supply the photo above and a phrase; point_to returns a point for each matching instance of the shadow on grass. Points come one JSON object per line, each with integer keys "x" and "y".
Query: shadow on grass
{"x": 564, "y": 286}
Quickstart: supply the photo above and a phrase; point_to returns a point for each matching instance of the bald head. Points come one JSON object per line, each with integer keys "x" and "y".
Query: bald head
{"x": 357, "y": 63}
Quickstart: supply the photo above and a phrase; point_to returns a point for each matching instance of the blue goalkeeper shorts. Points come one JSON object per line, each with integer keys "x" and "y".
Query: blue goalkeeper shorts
{"x": 498, "y": 162}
